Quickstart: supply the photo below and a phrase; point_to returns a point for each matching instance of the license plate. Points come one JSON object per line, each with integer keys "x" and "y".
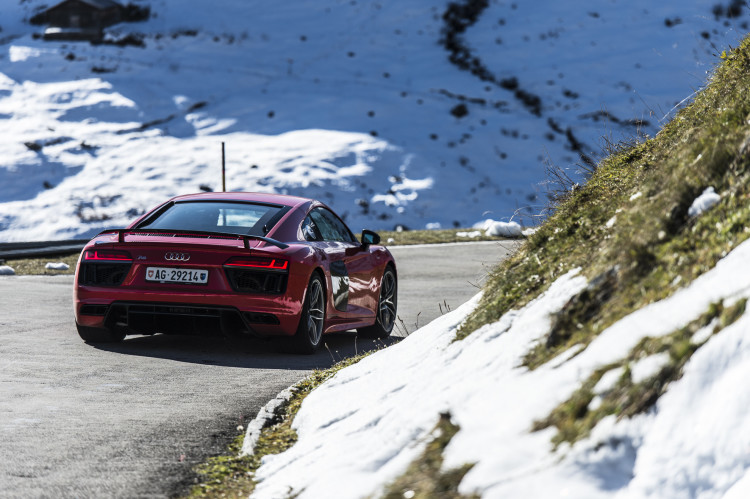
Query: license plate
{"x": 185, "y": 276}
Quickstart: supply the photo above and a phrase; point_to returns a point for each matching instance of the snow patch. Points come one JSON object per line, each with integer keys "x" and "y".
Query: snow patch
{"x": 20, "y": 53}
{"x": 608, "y": 381}
{"x": 704, "y": 202}
{"x": 7, "y": 270}
{"x": 741, "y": 488}
{"x": 704, "y": 333}
{"x": 57, "y": 266}
{"x": 502, "y": 229}
{"x": 696, "y": 445}
{"x": 472, "y": 234}
{"x": 648, "y": 367}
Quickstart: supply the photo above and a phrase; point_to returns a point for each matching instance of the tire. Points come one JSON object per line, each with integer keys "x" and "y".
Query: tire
{"x": 99, "y": 335}
{"x": 309, "y": 334}
{"x": 387, "y": 307}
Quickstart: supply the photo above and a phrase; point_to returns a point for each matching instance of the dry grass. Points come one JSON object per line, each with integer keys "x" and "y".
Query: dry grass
{"x": 410, "y": 237}
{"x": 425, "y": 478}
{"x": 35, "y": 266}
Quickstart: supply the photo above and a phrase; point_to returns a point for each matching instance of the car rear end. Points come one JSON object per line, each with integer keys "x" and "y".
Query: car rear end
{"x": 198, "y": 265}
{"x": 150, "y": 284}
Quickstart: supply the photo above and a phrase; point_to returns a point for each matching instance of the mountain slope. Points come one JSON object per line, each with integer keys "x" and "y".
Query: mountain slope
{"x": 402, "y": 113}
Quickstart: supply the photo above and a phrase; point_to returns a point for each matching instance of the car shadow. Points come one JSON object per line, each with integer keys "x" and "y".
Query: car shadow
{"x": 248, "y": 353}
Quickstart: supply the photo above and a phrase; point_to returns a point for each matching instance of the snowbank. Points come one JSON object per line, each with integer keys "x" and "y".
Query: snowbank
{"x": 361, "y": 429}
{"x": 371, "y": 420}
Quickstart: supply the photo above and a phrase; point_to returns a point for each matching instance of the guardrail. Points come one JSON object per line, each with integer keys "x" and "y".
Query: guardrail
{"x": 41, "y": 248}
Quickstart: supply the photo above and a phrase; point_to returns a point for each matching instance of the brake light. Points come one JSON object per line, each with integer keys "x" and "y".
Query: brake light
{"x": 258, "y": 263}
{"x": 107, "y": 255}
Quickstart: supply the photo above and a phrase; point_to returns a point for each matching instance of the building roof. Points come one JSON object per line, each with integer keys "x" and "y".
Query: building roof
{"x": 97, "y": 4}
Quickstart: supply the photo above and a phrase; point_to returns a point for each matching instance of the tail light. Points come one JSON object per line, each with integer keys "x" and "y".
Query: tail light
{"x": 257, "y": 274}
{"x": 104, "y": 267}
{"x": 105, "y": 255}
{"x": 258, "y": 262}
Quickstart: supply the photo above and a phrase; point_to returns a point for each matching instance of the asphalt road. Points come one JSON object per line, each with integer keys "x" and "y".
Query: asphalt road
{"x": 131, "y": 420}
{"x": 439, "y": 277}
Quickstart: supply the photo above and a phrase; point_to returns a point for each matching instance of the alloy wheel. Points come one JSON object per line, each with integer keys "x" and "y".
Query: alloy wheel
{"x": 387, "y": 306}
{"x": 316, "y": 312}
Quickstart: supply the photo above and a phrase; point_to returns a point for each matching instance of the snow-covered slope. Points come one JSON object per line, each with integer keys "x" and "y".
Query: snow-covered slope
{"x": 356, "y": 103}
{"x": 360, "y": 430}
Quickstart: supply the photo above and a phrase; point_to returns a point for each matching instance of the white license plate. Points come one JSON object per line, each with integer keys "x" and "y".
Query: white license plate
{"x": 187, "y": 276}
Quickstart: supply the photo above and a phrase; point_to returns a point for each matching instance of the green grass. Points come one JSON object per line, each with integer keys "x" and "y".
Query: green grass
{"x": 232, "y": 476}
{"x": 425, "y": 478}
{"x": 653, "y": 247}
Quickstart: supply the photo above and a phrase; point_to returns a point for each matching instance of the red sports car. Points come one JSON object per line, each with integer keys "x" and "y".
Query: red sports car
{"x": 239, "y": 264}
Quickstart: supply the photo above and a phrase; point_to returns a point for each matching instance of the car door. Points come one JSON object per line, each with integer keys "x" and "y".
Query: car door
{"x": 348, "y": 263}
{"x": 359, "y": 267}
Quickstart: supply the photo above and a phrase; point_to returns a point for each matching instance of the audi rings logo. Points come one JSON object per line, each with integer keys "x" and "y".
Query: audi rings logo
{"x": 177, "y": 257}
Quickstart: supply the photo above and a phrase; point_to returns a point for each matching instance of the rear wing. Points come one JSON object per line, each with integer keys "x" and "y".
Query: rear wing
{"x": 246, "y": 238}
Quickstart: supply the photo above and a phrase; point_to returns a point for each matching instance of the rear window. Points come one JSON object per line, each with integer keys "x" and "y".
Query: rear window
{"x": 210, "y": 216}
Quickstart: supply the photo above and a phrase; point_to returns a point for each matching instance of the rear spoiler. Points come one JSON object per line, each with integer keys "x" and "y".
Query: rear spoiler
{"x": 121, "y": 233}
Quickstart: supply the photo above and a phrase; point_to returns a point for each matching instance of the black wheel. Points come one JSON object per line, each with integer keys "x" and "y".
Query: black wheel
{"x": 310, "y": 330}
{"x": 99, "y": 335}
{"x": 387, "y": 306}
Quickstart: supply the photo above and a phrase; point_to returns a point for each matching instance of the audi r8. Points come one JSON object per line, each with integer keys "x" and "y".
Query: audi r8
{"x": 237, "y": 264}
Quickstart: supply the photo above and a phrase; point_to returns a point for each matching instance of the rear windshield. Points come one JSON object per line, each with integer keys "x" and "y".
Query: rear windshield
{"x": 212, "y": 216}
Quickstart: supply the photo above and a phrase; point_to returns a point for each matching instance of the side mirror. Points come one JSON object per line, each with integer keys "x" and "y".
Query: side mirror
{"x": 369, "y": 237}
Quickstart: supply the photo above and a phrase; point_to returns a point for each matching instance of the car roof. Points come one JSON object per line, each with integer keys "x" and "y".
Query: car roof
{"x": 251, "y": 197}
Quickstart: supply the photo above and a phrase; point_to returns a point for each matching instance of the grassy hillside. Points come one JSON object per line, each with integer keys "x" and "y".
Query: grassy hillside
{"x": 629, "y": 231}
{"x": 628, "y": 227}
